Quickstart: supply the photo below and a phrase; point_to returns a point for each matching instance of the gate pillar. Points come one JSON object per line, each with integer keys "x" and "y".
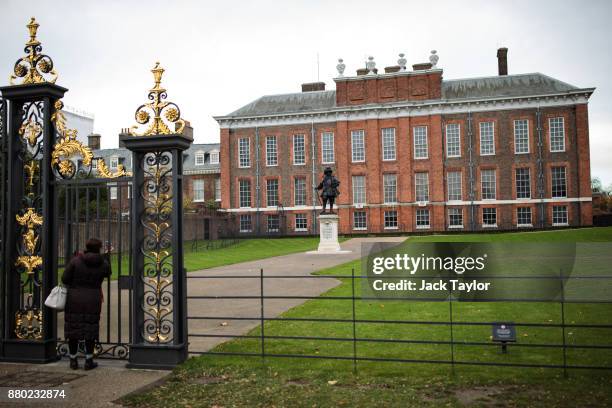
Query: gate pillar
{"x": 28, "y": 263}
{"x": 159, "y": 303}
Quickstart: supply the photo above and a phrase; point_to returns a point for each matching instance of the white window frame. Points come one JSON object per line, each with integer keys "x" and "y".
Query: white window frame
{"x": 240, "y": 193}
{"x": 328, "y": 155}
{"x": 113, "y": 192}
{"x": 453, "y": 209}
{"x": 520, "y": 224}
{"x": 114, "y": 162}
{"x": 218, "y": 189}
{"x": 295, "y": 191}
{"x": 421, "y": 183}
{"x": 516, "y": 182}
{"x": 271, "y": 217}
{"x": 483, "y": 218}
{"x": 392, "y": 227}
{"x": 244, "y": 153}
{"x": 388, "y": 144}
{"x": 244, "y": 217}
{"x": 214, "y": 157}
{"x": 359, "y": 190}
{"x": 271, "y": 152}
{"x": 456, "y": 140}
{"x": 420, "y": 133}
{"x": 451, "y": 175}
{"x": 199, "y": 159}
{"x": 358, "y": 141}
{"x": 560, "y": 137}
{"x": 516, "y": 135}
{"x": 487, "y": 132}
{"x": 202, "y": 185}
{"x": 365, "y": 219}
{"x": 420, "y": 214}
{"x": 390, "y": 188}
{"x": 552, "y": 181}
{"x": 566, "y": 211}
{"x": 302, "y": 154}
{"x": 277, "y": 198}
{"x": 483, "y": 181}
{"x": 301, "y": 217}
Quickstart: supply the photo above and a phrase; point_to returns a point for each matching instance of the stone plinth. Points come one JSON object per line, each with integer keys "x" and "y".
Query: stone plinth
{"x": 328, "y": 235}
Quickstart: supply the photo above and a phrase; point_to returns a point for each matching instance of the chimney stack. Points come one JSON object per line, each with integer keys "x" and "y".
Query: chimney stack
{"x": 93, "y": 141}
{"x": 502, "y": 61}
{"x": 313, "y": 87}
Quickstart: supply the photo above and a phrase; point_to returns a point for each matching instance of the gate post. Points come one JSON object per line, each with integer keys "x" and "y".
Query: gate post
{"x": 29, "y": 257}
{"x": 159, "y": 303}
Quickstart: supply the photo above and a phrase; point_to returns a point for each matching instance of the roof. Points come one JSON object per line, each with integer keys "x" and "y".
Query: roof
{"x": 189, "y": 167}
{"x": 455, "y": 89}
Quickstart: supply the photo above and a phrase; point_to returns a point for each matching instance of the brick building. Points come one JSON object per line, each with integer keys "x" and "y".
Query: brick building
{"x": 413, "y": 151}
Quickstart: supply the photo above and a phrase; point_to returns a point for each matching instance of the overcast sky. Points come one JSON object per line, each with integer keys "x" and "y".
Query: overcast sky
{"x": 221, "y": 55}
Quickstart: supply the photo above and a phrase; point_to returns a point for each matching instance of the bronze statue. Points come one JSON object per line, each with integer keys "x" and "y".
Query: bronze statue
{"x": 329, "y": 186}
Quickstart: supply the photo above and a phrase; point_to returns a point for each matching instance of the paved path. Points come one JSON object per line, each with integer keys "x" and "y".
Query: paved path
{"x": 100, "y": 387}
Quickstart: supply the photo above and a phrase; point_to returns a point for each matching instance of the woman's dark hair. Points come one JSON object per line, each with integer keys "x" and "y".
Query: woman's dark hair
{"x": 93, "y": 245}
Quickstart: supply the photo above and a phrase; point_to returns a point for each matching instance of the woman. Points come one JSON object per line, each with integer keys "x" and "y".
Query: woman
{"x": 83, "y": 277}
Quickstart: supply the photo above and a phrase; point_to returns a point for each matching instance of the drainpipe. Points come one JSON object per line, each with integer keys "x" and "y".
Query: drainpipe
{"x": 540, "y": 161}
{"x": 470, "y": 133}
{"x": 257, "y": 187}
{"x": 313, "y": 151}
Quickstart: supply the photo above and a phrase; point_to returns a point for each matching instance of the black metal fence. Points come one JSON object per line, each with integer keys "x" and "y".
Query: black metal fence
{"x": 259, "y": 331}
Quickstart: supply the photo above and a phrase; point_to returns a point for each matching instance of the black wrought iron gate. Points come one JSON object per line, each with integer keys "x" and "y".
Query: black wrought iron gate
{"x": 99, "y": 208}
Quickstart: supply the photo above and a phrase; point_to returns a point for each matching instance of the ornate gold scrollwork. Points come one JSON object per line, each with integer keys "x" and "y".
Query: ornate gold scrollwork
{"x": 28, "y": 324}
{"x": 68, "y": 146}
{"x": 164, "y": 113}
{"x": 103, "y": 170}
{"x": 35, "y": 66}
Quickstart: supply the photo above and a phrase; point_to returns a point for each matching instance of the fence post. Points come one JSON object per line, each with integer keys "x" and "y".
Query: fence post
{"x": 261, "y": 315}
{"x": 452, "y": 337}
{"x": 563, "y": 323}
{"x": 159, "y": 323}
{"x": 354, "y": 324}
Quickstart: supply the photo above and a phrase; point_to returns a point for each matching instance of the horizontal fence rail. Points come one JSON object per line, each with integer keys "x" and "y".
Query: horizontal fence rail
{"x": 355, "y": 322}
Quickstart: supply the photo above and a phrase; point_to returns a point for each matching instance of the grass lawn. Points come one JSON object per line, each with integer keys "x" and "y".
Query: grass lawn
{"x": 305, "y": 382}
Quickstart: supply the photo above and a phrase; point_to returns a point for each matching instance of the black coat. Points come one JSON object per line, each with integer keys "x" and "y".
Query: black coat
{"x": 83, "y": 277}
{"x": 329, "y": 185}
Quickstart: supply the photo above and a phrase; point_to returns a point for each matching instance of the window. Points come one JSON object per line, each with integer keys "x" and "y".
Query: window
{"x": 299, "y": 149}
{"x": 422, "y": 218}
{"x": 453, "y": 140}
{"x": 559, "y": 215}
{"x": 521, "y": 136}
{"x": 301, "y": 223}
{"x": 245, "y": 193}
{"x": 390, "y": 188}
{"x": 523, "y": 217}
{"x": 420, "y": 142}
{"x": 327, "y": 147}
{"x": 487, "y": 138}
{"x": 388, "y": 143}
{"x": 198, "y": 190}
{"x": 489, "y": 217}
{"x": 556, "y": 130}
{"x": 244, "y": 152}
{"x": 523, "y": 183}
{"x": 271, "y": 152}
{"x": 114, "y": 162}
{"x": 421, "y": 186}
{"x": 358, "y": 145}
{"x": 391, "y": 219}
{"x": 272, "y": 192}
{"x": 453, "y": 183}
{"x": 359, "y": 190}
{"x": 360, "y": 220}
{"x": 245, "y": 223}
{"x": 214, "y": 157}
{"x": 559, "y": 185}
{"x": 113, "y": 193}
{"x": 488, "y": 184}
{"x": 299, "y": 191}
{"x": 199, "y": 159}
{"x": 94, "y": 164}
{"x": 455, "y": 217}
{"x": 218, "y": 189}
{"x": 129, "y": 191}
{"x": 273, "y": 223}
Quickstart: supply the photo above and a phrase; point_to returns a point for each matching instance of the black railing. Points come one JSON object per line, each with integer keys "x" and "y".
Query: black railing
{"x": 452, "y": 323}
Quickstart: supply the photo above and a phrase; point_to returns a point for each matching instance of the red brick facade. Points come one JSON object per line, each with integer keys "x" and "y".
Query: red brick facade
{"x": 405, "y": 101}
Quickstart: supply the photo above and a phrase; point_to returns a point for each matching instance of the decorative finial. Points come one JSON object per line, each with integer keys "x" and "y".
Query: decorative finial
{"x": 371, "y": 65}
{"x": 433, "y": 58}
{"x": 34, "y": 67}
{"x": 164, "y": 113}
{"x": 340, "y": 67}
{"x": 402, "y": 61}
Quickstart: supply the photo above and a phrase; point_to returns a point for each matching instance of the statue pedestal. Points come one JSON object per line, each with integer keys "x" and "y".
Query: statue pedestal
{"x": 328, "y": 235}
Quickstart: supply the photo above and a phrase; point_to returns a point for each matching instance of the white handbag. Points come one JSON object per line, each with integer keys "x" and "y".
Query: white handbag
{"x": 57, "y": 298}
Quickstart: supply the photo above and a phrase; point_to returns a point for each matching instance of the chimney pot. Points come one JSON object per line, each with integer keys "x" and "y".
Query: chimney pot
{"x": 502, "y": 61}
{"x": 313, "y": 86}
